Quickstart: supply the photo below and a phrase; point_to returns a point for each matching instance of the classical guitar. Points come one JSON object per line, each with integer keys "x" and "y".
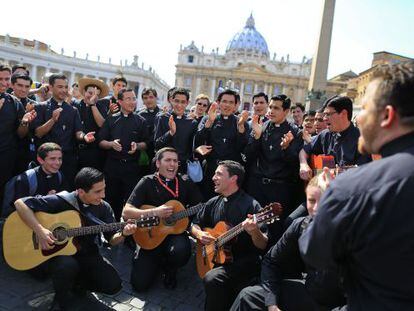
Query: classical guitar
{"x": 21, "y": 248}
{"x": 150, "y": 238}
{"x": 216, "y": 253}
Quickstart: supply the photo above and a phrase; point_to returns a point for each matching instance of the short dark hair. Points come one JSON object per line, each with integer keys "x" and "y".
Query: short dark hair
{"x": 396, "y": 88}
{"x": 20, "y": 66}
{"x": 122, "y": 92}
{"x": 170, "y": 91}
{"x": 119, "y": 78}
{"x": 147, "y": 91}
{"x": 180, "y": 91}
{"x": 5, "y": 68}
{"x": 75, "y": 84}
{"x": 56, "y": 76}
{"x": 234, "y": 168}
{"x": 45, "y": 148}
{"x": 229, "y": 92}
{"x": 340, "y": 103}
{"x": 87, "y": 177}
{"x": 22, "y": 76}
{"x": 160, "y": 153}
{"x": 284, "y": 99}
{"x": 298, "y": 105}
{"x": 310, "y": 113}
{"x": 261, "y": 94}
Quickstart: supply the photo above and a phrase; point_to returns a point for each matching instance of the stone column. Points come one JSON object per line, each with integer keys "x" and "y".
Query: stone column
{"x": 255, "y": 88}
{"x": 33, "y": 73}
{"x": 71, "y": 78}
{"x": 241, "y": 91}
{"x": 213, "y": 89}
{"x": 197, "y": 88}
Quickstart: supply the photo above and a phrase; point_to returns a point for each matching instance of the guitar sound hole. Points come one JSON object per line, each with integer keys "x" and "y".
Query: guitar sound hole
{"x": 169, "y": 221}
{"x": 60, "y": 234}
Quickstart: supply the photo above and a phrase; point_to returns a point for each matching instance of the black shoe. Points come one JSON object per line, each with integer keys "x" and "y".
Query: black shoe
{"x": 170, "y": 279}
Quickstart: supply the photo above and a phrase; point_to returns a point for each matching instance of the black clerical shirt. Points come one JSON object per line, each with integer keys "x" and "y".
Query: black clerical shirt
{"x": 365, "y": 225}
{"x": 224, "y": 137}
{"x": 127, "y": 128}
{"x": 182, "y": 141}
{"x": 342, "y": 145}
{"x": 267, "y": 157}
{"x": 64, "y": 130}
{"x": 11, "y": 113}
{"x": 233, "y": 210}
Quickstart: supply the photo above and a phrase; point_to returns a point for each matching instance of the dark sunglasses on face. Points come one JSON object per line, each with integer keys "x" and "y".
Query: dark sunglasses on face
{"x": 201, "y": 104}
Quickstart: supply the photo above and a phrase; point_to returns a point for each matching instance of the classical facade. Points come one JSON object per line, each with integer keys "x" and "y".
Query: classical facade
{"x": 40, "y": 60}
{"x": 246, "y": 66}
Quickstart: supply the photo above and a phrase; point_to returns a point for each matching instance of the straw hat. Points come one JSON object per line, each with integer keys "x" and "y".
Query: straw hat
{"x": 83, "y": 82}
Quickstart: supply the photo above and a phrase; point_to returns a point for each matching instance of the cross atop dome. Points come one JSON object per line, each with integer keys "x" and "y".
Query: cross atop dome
{"x": 250, "y": 22}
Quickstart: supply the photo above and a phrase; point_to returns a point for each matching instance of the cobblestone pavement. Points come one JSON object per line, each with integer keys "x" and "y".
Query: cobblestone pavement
{"x": 19, "y": 291}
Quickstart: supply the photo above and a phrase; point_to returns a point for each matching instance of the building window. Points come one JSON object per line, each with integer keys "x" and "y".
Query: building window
{"x": 190, "y": 58}
{"x": 187, "y": 82}
{"x": 248, "y": 88}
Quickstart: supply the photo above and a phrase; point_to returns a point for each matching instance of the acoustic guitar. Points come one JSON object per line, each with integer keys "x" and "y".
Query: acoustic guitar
{"x": 21, "y": 247}
{"x": 177, "y": 223}
{"x": 318, "y": 162}
{"x": 216, "y": 253}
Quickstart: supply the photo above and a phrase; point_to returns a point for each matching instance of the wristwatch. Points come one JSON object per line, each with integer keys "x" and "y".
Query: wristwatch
{"x": 24, "y": 123}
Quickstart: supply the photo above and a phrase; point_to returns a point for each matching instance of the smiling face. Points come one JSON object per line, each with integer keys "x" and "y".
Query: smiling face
{"x": 201, "y": 107}
{"x": 4, "y": 80}
{"x": 167, "y": 166}
{"x": 320, "y": 123}
{"x": 179, "y": 103}
{"x": 94, "y": 195}
{"x": 308, "y": 124}
{"x": 223, "y": 181}
{"x": 60, "y": 89}
{"x": 52, "y": 162}
{"x": 227, "y": 104}
{"x": 149, "y": 100}
{"x": 21, "y": 88}
{"x": 128, "y": 102}
{"x": 297, "y": 115}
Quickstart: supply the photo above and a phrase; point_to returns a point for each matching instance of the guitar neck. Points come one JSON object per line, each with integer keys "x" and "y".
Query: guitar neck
{"x": 80, "y": 231}
{"x": 186, "y": 212}
{"x": 229, "y": 235}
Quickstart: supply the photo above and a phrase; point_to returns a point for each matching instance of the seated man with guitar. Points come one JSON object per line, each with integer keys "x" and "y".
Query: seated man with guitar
{"x": 166, "y": 246}
{"x": 87, "y": 269}
{"x": 242, "y": 264}
{"x": 339, "y": 140}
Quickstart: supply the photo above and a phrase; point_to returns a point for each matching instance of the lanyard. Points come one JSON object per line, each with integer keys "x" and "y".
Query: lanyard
{"x": 174, "y": 194}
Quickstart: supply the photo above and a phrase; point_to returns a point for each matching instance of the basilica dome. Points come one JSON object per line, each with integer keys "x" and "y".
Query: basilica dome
{"x": 249, "y": 40}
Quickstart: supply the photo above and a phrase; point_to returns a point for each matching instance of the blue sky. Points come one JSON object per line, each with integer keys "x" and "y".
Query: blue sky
{"x": 155, "y": 29}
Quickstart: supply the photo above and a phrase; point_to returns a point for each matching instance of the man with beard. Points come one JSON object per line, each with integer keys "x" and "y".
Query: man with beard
{"x": 364, "y": 222}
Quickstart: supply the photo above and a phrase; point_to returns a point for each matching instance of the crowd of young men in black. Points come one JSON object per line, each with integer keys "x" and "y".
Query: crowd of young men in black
{"x": 248, "y": 162}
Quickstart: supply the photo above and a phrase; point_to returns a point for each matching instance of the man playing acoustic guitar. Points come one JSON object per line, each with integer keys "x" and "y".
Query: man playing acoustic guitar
{"x": 87, "y": 269}
{"x": 155, "y": 190}
{"x": 233, "y": 206}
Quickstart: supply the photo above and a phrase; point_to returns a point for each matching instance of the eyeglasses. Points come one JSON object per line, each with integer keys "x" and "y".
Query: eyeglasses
{"x": 329, "y": 114}
{"x": 201, "y": 104}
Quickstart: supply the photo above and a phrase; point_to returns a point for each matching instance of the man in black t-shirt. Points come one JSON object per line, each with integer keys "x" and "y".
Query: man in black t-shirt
{"x": 174, "y": 252}
{"x": 87, "y": 267}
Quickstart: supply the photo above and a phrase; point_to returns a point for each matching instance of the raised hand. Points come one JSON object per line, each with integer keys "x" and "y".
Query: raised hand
{"x": 116, "y": 145}
{"x": 212, "y": 112}
{"x": 257, "y": 126}
{"x": 172, "y": 125}
{"x": 306, "y": 136}
{"x": 94, "y": 97}
{"x": 56, "y": 114}
{"x": 133, "y": 148}
{"x": 286, "y": 140}
{"x": 29, "y": 116}
{"x": 204, "y": 149}
{"x": 113, "y": 107}
{"x": 89, "y": 137}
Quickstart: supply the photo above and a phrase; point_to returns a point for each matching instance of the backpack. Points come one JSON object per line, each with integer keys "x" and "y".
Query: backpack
{"x": 10, "y": 190}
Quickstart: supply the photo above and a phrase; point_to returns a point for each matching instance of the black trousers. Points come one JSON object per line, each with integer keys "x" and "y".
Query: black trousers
{"x": 121, "y": 178}
{"x": 69, "y": 167}
{"x": 223, "y": 283}
{"x": 268, "y": 192}
{"x": 91, "y": 157}
{"x": 294, "y": 297}
{"x": 91, "y": 272}
{"x": 173, "y": 253}
{"x": 7, "y": 165}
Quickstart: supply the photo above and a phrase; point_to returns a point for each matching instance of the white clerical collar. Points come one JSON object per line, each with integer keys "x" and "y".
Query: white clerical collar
{"x": 225, "y": 117}
{"x": 179, "y": 117}
{"x": 151, "y": 110}
{"x": 59, "y": 104}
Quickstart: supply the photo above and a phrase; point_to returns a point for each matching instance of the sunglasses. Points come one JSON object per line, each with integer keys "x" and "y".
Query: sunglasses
{"x": 201, "y": 104}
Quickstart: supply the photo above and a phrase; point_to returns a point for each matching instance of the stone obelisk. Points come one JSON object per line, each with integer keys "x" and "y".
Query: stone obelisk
{"x": 320, "y": 61}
